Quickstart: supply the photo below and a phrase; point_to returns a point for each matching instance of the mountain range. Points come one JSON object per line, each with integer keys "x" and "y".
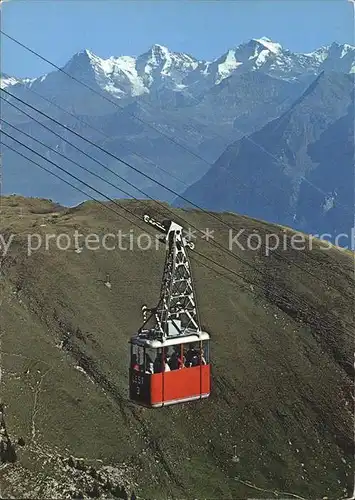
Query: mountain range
{"x": 182, "y": 121}
{"x": 159, "y": 68}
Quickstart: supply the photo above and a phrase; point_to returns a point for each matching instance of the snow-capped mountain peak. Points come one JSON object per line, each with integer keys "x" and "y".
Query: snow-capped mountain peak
{"x": 160, "y": 66}
{"x": 86, "y": 52}
{"x": 273, "y": 47}
{"x": 158, "y": 54}
{"x": 157, "y": 57}
{"x": 79, "y": 61}
{"x": 159, "y": 50}
{"x": 9, "y": 81}
{"x": 226, "y": 65}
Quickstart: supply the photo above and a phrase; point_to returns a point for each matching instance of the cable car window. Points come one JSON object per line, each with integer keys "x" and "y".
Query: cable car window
{"x": 134, "y": 358}
{"x": 205, "y": 352}
{"x": 137, "y": 358}
{"x": 158, "y": 361}
{"x": 149, "y": 359}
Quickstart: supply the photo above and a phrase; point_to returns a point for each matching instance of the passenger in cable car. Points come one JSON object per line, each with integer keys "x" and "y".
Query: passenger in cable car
{"x": 175, "y": 361}
{"x": 191, "y": 356}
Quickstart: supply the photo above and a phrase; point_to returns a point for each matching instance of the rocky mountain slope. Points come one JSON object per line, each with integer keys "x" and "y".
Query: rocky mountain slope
{"x": 297, "y": 170}
{"x": 279, "y": 422}
{"x": 203, "y": 105}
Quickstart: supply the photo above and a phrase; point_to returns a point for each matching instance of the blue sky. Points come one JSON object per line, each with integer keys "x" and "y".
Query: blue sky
{"x": 205, "y": 29}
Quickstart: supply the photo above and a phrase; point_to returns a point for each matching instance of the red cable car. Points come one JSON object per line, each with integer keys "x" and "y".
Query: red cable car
{"x": 170, "y": 360}
{"x": 171, "y": 371}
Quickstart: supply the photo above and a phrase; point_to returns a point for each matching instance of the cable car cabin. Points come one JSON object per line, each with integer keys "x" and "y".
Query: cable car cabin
{"x": 174, "y": 370}
{"x": 170, "y": 360}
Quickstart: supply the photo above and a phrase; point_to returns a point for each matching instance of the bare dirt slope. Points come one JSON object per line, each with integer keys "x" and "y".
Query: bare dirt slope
{"x": 282, "y": 352}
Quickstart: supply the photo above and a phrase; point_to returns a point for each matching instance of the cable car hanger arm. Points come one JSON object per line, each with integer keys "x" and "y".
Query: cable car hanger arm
{"x": 176, "y": 311}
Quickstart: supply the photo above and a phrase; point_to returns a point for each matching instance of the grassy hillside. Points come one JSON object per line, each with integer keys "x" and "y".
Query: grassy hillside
{"x": 282, "y": 354}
